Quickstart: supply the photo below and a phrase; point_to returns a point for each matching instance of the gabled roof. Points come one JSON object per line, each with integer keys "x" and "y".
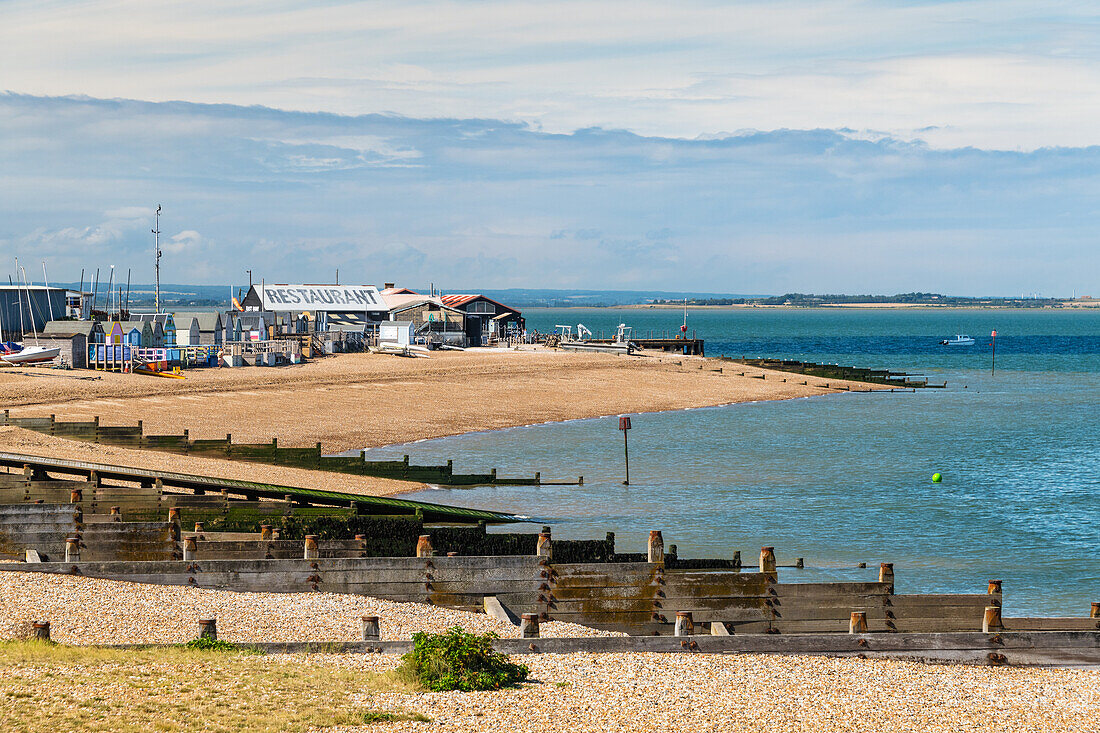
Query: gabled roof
{"x": 404, "y": 302}
{"x": 457, "y": 301}
{"x": 67, "y": 329}
{"x": 161, "y": 318}
{"x": 397, "y": 291}
{"x": 208, "y": 320}
{"x": 251, "y": 319}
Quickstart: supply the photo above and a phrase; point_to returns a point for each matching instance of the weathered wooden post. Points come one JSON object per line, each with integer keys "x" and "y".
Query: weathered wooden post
{"x": 886, "y": 573}
{"x": 310, "y": 547}
{"x": 991, "y": 620}
{"x": 198, "y": 527}
{"x": 684, "y": 624}
{"x": 529, "y": 625}
{"x": 857, "y": 622}
{"x": 72, "y": 549}
{"x": 624, "y": 425}
{"x": 174, "y": 515}
{"x": 737, "y": 559}
{"x": 371, "y": 630}
{"x": 424, "y": 546}
{"x": 995, "y": 589}
{"x": 656, "y": 546}
{"x": 208, "y": 628}
{"x": 543, "y": 549}
{"x": 767, "y": 561}
{"x": 116, "y": 514}
{"x": 190, "y": 548}
{"x": 42, "y": 630}
{"x": 76, "y": 496}
{"x": 266, "y": 534}
{"x": 1095, "y": 612}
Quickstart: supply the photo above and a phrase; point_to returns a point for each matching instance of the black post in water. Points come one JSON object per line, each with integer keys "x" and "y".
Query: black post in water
{"x": 993, "y": 369}
{"x": 624, "y": 425}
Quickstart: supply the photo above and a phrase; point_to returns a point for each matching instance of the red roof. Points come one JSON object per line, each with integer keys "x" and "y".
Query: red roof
{"x": 456, "y": 300}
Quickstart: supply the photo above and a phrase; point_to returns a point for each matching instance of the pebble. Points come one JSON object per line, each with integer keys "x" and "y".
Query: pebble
{"x": 97, "y": 611}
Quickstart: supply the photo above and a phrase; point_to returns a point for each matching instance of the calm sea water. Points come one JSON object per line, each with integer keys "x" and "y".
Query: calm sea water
{"x": 845, "y": 478}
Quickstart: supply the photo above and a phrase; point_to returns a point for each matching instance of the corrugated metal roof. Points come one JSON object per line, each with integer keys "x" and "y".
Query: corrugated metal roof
{"x": 459, "y": 300}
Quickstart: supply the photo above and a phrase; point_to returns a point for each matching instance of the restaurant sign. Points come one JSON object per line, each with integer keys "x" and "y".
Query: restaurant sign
{"x": 344, "y": 298}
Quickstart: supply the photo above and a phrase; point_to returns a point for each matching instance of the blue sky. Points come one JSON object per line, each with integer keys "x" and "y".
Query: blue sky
{"x": 717, "y": 146}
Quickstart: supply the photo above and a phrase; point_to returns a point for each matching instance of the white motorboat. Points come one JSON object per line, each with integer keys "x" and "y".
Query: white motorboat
{"x": 32, "y": 355}
{"x": 959, "y": 340}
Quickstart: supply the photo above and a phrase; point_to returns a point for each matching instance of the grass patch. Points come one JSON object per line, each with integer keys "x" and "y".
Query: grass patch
{"x": 45, "y": 688}
{"x": 457, "y": 660}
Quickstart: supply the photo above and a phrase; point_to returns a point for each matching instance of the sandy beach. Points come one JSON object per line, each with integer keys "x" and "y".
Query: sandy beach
{"x": 27, "y": 442}
{"x": 354, "y": 401}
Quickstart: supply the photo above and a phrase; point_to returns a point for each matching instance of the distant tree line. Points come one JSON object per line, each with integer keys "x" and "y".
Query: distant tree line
{"x": 809, "y": 300}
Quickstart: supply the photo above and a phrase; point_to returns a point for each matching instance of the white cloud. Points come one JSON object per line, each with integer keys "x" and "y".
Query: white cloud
{"x": 990, "y": 73}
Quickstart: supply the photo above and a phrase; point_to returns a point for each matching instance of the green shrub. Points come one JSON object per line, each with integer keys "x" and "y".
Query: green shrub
{"x": 206, "y": 644}
{"x": 456, "y": 660}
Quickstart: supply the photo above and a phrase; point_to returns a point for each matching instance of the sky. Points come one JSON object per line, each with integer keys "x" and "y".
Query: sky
{"x": 751, "y": 147}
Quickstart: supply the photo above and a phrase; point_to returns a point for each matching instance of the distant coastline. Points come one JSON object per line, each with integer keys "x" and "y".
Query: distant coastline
{"x": 1070, "y": 305}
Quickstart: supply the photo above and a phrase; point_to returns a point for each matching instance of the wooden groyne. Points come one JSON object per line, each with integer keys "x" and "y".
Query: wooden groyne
{"x": 136, "y": 533}
{"x": 134, "y": 436}
{"x": 836, "y": 371}
{"x": 32, "y": 483}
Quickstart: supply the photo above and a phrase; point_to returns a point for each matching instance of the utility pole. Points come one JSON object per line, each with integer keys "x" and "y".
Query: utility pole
{"x": 156, "y": 261}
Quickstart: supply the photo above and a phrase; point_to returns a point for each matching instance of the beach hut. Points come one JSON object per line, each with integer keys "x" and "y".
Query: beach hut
{"x": 166, "y": 324}
{"x": 205, "y": 328}
{"x": 114, "y": 333}
{"x": 72, "y": 339}
{"x": 131, "y": 333}
{"x": 250, "y": 326}
{"x": 187, "y": 329}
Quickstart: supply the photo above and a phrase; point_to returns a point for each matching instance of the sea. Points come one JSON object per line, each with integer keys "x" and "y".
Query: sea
{"x": 842, "y": 479}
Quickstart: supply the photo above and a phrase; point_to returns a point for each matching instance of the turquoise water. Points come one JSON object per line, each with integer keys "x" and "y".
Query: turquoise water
{"x": 845, "y": 478}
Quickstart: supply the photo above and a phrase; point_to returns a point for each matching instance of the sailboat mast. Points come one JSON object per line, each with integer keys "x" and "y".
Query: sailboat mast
{"x": 46, "y": 282}
{"x": 30, "y": 312}
{"x": 19, "y": 296}
{"x": 156, "y": 261}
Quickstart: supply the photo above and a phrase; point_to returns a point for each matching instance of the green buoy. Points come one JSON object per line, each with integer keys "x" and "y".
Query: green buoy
{"x": 937, "y": 478}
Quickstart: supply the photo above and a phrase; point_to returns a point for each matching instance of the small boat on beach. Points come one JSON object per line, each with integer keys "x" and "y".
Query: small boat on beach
{"x": 959, "y": 340}
{"x": 32, "y": 355}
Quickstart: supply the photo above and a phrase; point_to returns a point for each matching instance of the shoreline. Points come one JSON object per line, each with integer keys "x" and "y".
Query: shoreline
{"x": 354, "y": 402}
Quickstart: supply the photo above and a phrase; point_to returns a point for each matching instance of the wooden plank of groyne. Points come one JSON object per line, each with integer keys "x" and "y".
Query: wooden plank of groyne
{"x": 249, "y": 488}
{"x": 1051, "y": 624}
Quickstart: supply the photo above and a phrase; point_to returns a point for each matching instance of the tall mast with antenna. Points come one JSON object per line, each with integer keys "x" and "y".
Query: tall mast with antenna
{"x": 156, "y": 261}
